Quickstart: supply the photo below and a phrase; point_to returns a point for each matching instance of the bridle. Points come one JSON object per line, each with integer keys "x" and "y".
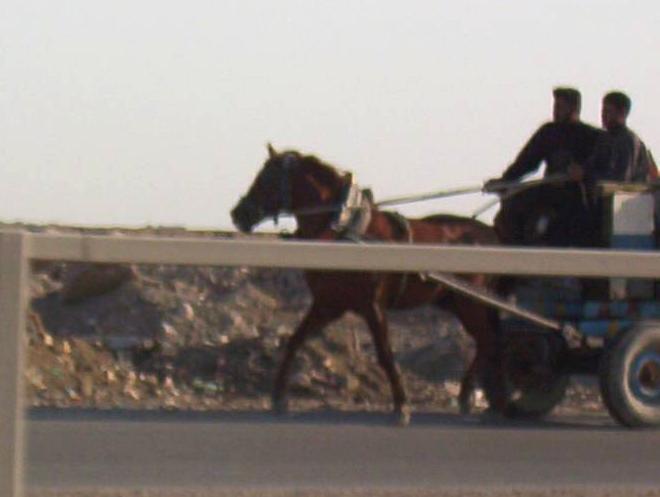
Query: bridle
{"x": 289, "y": 162}
{"x": 281, "y": 184}
{"x": 352, "y": 212}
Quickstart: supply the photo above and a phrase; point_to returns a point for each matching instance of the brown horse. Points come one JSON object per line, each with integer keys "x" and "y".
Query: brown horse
{"x": 327, "y": 205}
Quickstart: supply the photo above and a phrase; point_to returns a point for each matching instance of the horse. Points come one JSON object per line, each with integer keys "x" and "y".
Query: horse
{"x": 328, "y": 205}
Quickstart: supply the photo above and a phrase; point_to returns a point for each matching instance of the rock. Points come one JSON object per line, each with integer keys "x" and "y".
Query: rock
{"x": 170, "y": 331}
{"x": 237, "y": 321}
{"x": 283, "y": 331}
{"x": 131, "y": 392}
{"x": 91, "y": 280}
{"x": 35, "y": 378}
{"x": 453, "y": 388}
{"x": 65, "y": 347}
{"x": 301, "y": 379}
{"x": 47, "y": 339}
{"x": 72, "y": 393}
{"x": 188, "y": 311}
{"x": 110, "y": 376}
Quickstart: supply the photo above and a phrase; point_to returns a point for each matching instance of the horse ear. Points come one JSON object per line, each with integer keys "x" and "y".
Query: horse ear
{"x": 271, "y": 151}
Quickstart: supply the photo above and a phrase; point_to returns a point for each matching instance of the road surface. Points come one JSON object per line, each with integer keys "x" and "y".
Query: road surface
{"x": 332, "y": 451}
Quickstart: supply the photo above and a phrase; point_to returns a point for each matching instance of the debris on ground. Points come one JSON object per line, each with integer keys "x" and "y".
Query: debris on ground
{"x": 174, "y": 337}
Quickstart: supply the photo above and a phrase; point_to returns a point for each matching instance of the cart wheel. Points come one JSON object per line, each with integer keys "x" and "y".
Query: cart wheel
{"x": 630, "y": 377}
{"x": 533, "y": 375}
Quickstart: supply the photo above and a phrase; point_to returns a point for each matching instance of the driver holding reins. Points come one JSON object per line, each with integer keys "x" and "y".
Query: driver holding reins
{"x": 558, "y": 212}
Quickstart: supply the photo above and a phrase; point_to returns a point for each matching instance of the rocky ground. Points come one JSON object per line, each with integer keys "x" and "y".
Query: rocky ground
{"x": 152, "y": 337}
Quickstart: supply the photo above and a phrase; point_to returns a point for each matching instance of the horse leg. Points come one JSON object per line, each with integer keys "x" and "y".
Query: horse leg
{"x": 466, "y": 394}
{"x": 482, "y": 323}
{"x": 313, "y": 322}
{"x": 377, "y": 322}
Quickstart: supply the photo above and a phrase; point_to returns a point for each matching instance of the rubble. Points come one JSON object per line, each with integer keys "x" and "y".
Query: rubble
{"x": 170, "y": 337}
{"x": 85, "y": 281}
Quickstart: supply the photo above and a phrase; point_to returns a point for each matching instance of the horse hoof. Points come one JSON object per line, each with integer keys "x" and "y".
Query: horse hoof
{"x": 403, "y": 416}
{"x": 280, "y": 407}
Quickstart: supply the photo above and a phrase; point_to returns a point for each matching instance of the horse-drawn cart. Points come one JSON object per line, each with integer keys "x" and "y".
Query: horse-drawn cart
{"x": 554, "y": 328}
{"x": 528, "y": 343}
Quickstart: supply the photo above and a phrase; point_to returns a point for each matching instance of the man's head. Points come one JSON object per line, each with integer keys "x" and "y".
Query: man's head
{"x": 567, "y": 105}
{"x": 616, "y": 107}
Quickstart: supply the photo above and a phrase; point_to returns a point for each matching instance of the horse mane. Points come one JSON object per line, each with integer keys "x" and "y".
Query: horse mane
{"x": 324, "y": 173}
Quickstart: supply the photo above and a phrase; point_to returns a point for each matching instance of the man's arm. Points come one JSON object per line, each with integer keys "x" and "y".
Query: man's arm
{"x": 530, "y": 157}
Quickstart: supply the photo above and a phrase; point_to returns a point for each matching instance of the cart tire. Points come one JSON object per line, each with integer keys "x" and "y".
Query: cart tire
{"x": 533, "y": 374}
{"x": 630, "y": 377}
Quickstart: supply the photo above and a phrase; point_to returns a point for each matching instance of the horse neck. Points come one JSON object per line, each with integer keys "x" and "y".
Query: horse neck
{"x": 315, "y": 185}
{"x": 388, "y": 226}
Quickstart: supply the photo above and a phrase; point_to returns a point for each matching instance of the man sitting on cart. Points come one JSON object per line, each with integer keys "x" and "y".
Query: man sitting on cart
{"x": 557, "y": 212}
{"x": 619, "y": 154}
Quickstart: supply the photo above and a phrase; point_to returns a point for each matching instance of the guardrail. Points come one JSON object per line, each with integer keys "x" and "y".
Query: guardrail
{"x": 18, "y": 248}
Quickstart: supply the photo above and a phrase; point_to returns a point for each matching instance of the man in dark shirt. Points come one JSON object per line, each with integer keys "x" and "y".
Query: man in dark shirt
{"x": 551, "y": 214}
{"x": 563, "y": 141}
{"x": 619, "y": 154}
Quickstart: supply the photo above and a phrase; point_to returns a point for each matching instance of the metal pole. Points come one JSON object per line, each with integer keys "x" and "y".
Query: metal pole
{"x": 13, "y": 298}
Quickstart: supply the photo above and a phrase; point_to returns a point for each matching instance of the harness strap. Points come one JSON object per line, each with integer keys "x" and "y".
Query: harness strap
{"x": 288, "y": 163}
{"x": 403, "y": 226}
{"x": 352, "y": 220}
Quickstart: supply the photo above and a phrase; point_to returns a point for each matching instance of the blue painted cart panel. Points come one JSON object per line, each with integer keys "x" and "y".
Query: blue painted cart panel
{"x": 578, "y": 310}
{"x": 597, "y": 319}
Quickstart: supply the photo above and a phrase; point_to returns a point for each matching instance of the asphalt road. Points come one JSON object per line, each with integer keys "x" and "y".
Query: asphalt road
{"x": 331, "y": 450}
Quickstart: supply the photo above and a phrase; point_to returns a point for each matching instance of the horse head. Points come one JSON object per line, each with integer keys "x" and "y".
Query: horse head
{"x": 287, "y": 182}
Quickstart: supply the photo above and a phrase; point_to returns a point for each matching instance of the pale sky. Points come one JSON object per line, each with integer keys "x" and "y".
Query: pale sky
{"x": 157, "y": 112}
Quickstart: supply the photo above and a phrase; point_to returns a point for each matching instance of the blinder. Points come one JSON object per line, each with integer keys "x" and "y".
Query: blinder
{"x": 289, "y": 162}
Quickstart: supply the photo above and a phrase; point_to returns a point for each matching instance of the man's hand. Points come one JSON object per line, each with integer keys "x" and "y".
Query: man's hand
{"x": 575, "y": 172}
{"x": 494, "y": 185}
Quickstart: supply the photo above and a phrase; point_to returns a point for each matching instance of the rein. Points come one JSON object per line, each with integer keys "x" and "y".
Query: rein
{"x": 511, "y": 189}
{"x": 351, "y": 203}
{"x": 408, "y": 199}
{"x": 514, "y": 188}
